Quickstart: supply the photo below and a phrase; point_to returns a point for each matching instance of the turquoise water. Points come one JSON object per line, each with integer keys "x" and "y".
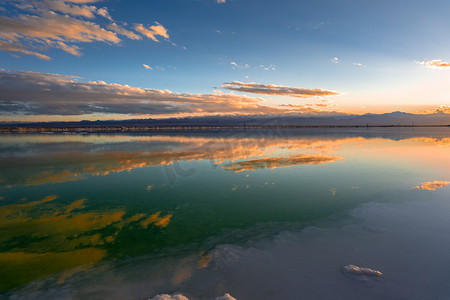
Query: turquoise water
{"x": 74, "y": 204}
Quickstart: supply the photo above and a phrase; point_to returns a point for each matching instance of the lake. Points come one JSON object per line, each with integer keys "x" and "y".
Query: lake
{"x": 258, "y": 214}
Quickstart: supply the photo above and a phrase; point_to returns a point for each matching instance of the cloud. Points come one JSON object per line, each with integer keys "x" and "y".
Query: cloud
{"x": 359, "y": 65}
{"x": 442, "y": 109}
{"x": 71, "y": 9}
{"x": 61, "y": 24}
{"x": 267, "y": 68}
{"x": 437, "y": 63}
{"x": 152, "y": 31}
{"x": 221, "y": 1}
{"x": 313, "y": 109}
{"x": 33, "y": 93}
{"x": 122, "y": 31}
{"x": 432, "y": 185}
{"x": 54, "y": 31}
{"x": 104, "y": 13}
{"x": 276, "y": 90}
{"x": 10, "y": 47}
{"x": 335, "y": 60}
{"x": 240, "y": 67}
{"x": 147, "y": 67}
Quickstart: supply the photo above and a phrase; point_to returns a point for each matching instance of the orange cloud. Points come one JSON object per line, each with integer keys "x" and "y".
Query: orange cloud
{"x": 34, "y": 93}
{"x": 147, "y": 67}
{"x": 60, "y": 24}
{"x": 122, "y": 31}
{"x": 19, "y": 48}
{"x": 437, "y": 63}
{"x": 432, "y": 185}
{"x": 71, "y": 9}
{"x": 445, "y": 109}
{"x": 276, "y": 90}
{"x": 153, "y": 31}
{"x": 49, "y": 29}
{"x": 104, "y": 13}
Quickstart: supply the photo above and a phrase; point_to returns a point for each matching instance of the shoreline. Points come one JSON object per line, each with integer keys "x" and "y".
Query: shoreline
{"x": 17, "y": 129}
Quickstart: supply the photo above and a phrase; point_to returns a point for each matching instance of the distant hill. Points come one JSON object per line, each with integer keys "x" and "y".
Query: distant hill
{"x": 387, "y": 119}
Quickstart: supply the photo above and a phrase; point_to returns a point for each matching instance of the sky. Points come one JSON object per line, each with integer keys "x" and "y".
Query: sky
{"x": 117, "y": 59}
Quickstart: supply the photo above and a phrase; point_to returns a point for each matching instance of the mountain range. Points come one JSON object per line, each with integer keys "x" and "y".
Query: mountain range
{"x": 388, "y": 119}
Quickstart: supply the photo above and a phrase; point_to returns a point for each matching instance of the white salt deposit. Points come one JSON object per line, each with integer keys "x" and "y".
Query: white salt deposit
{"x": 181, "y": 297}
{"x": 226, "y": 297}
{"x": 169, "y": 297}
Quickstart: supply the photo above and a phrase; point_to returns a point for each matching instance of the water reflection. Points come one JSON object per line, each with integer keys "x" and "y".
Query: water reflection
{"x": 71, "y": 201}
{"x": 57, "y": 159}
{"x": 432, "y": 185}
{"x": 41, "y": 237}
{"x": 280, "y": 162}
{"x": 49, "y": 163}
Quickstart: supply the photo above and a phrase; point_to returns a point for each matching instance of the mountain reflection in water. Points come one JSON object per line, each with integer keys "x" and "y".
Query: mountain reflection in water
{"x": 69, "y": 202}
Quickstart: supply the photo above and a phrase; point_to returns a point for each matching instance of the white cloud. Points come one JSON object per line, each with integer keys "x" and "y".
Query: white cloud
{"x": 359, "y": 65}
{"x": 147, "y": 67}
{"x": 240, "y": 67}
{"x": 268, "y": 68}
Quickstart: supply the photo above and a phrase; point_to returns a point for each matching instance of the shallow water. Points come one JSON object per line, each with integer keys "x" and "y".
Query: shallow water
{"x": 259, "y": 214}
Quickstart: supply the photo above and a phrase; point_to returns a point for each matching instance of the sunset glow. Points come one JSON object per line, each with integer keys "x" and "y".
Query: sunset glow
{"x": 67, "y": 60}
{"x": 224, "y": 149}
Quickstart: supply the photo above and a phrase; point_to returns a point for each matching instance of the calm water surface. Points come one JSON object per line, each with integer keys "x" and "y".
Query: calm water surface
{"x": 262, "y": 214}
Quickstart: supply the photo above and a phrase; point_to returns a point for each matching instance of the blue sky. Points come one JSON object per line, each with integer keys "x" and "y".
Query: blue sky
{"x": 377, "y": 56}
